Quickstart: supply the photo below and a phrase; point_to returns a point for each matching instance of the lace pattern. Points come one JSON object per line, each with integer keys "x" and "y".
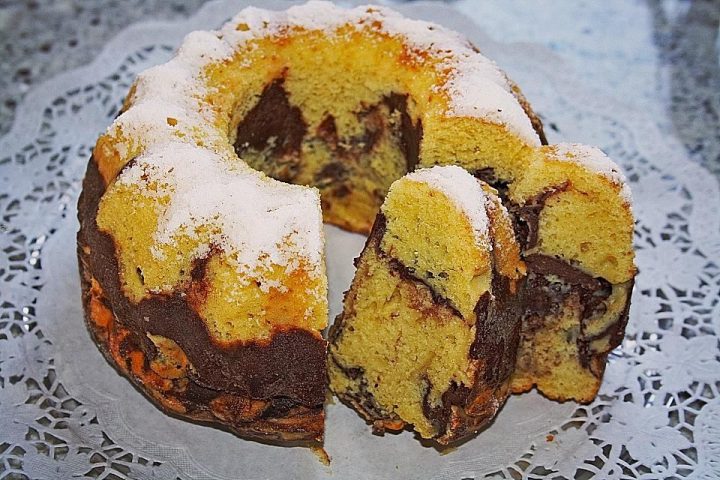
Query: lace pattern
{"x": 658, "y": 415}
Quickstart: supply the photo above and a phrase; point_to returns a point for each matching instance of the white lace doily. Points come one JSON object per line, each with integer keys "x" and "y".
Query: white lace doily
{"x": 64, "y": 412}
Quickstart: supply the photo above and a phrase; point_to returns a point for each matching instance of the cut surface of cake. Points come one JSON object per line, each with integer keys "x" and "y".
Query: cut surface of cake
{"x": 201, "y": 246}
{"x": 573, "y": 214}
{"x": 431, "y": 323}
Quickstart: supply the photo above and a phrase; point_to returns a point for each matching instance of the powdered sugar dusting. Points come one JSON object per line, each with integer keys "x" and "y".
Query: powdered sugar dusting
{"x": 475, "y": 85}
{"x": 259, "y": 219}
{"x": 596, "y": 160}
{"x": 464, "y": 191}
{"x": 249, "y": 215}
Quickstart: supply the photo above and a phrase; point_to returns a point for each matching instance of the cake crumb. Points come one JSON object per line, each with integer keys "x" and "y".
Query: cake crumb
{"x": 322, "y": 455}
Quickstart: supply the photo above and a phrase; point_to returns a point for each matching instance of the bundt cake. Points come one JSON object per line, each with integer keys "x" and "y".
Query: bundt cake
{"x": 431, "y": 323}
{"x": 203, "y": 275}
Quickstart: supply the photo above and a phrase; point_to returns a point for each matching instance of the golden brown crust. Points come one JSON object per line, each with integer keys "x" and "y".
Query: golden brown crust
{"x": 170, "y": 371}
{"x": 534, "y": 118}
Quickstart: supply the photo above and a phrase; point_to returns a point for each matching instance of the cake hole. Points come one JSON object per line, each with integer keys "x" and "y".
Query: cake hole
{"x": 242, "y": 27}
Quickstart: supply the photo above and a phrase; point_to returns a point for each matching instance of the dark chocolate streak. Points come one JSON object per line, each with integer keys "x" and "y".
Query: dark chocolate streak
{"x": 363, "y": 400}
{"x": 405, "y": 272}
{"x": 330, "y": 173}
{"x": 410, "y": 133}
{"x": 375, "y": 124}
{"x": 548, "y": 265}
{"x": 291, "y": 364}
{"x": 489, "y": 176}
{"x": 327, "y": 132}
{"x": 542, "y": 298}
{"x": 439, "y": 415}
{"x": 617, "y": 330}
{"x": 593, "y": 291}
{"x": 546, "y": 297}
{"x": 272, "y": 117}
{"x": 497, "y": 331}
{"x": 525, "y": 217}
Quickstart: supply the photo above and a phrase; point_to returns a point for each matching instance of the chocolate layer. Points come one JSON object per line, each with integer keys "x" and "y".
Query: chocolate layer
{"x": 376, "y": 123}
{"x": 290, "y": 366}
{"x": 440, "y": 415}
{"x": 363, "y": 401}
{"x": 497, "y": 331}
{"x": 545, "y": 296}
{"x": 489, "y": 176}
{"x": 277, "y": 127}
{"x": 273, "y": 117}
{"x": 408, "y": 273}
{"x": 548, "y": 265}
{"x": 616, "y": 331}
{"x": 410, "y": 133}
{"x": 542, "y": 297}
{"x": 526, "y": 217}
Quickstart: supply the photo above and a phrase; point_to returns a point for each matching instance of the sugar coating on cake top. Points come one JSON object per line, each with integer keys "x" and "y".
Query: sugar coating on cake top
{"x": 595, "y": 160}
{"x": 476, "y": 87}
{"x": 463, "y": 190}
{"x": 255, "y": 225}
{"x": 179, "y": 138}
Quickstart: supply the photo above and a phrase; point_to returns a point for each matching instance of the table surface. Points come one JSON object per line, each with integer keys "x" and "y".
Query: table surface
{"x": 665, "y": 55}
